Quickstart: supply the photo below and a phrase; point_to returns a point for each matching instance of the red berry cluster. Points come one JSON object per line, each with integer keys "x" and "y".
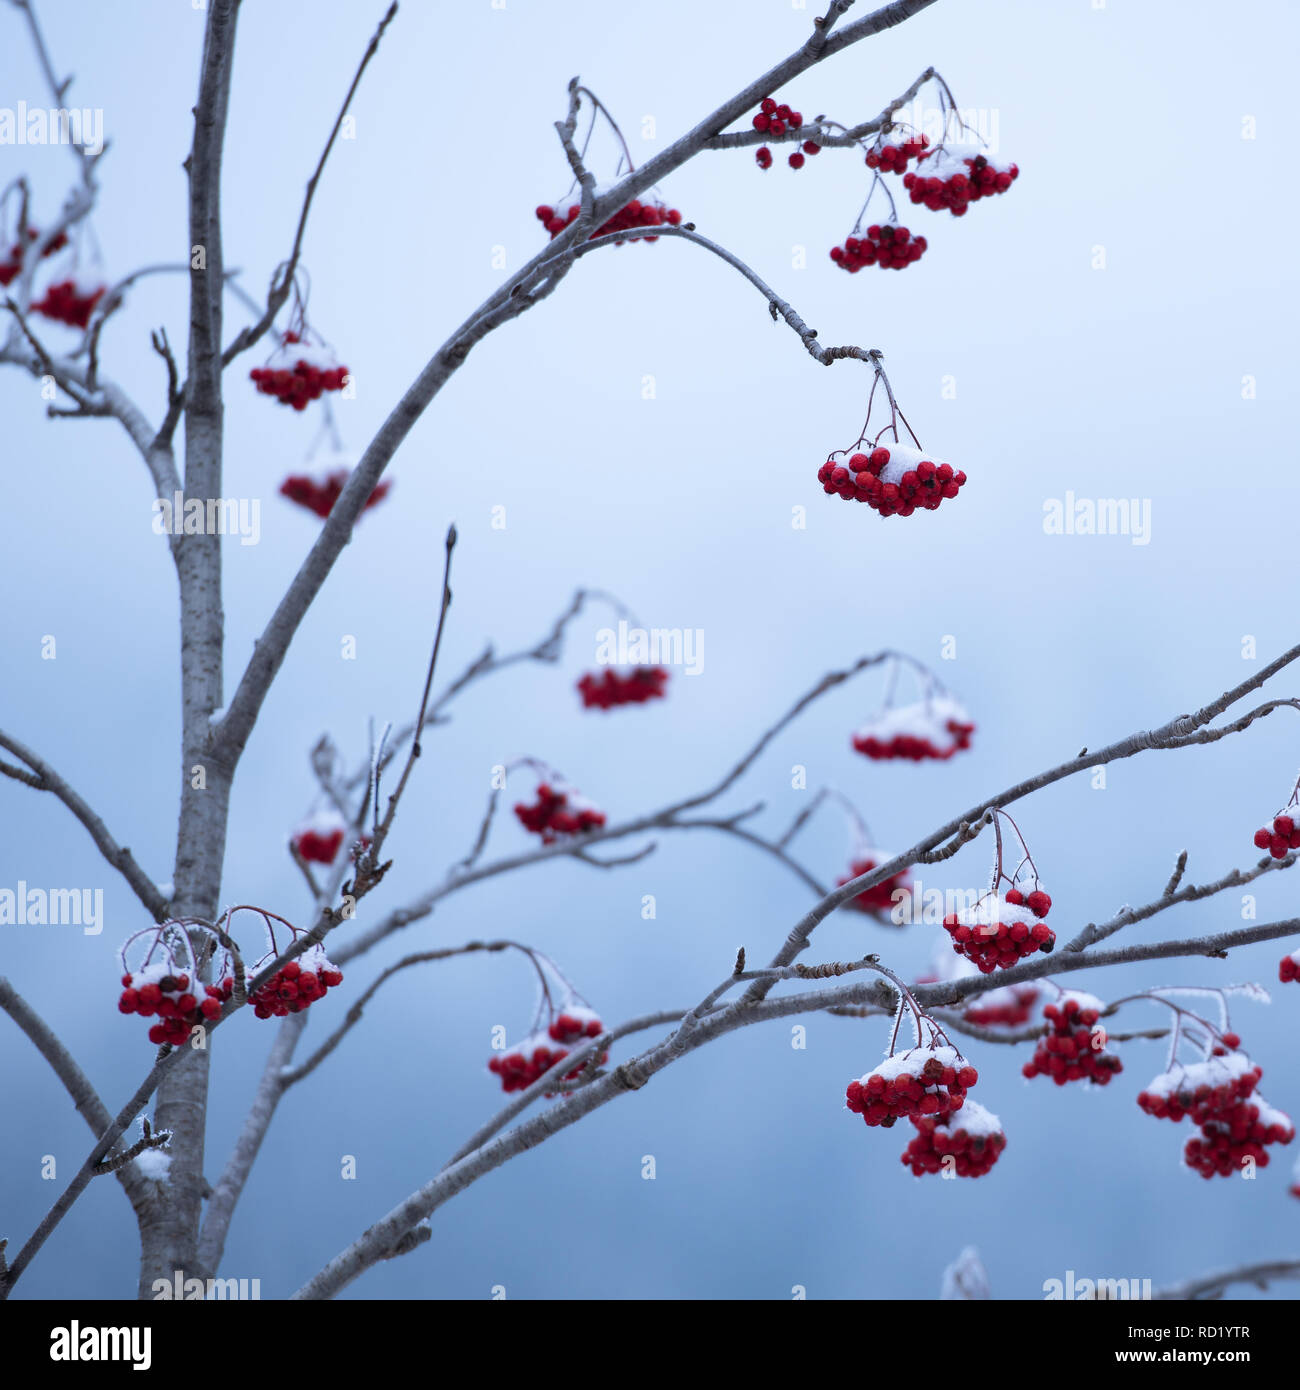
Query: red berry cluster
{"x": 1236, "y": 1135}
{"x": 1284, "y": 836}
{"x": 881, "y": 897}
{"x": 521, "y": 1065}
{"x": 155, "y": 990}
{"x": 974, "y": 1143}
{"x": 299, "y": 372}
{"x": 12, "y": 262}
{"x": 928, "y": 1081}
{"x": 776, "y": 118}
{"x": 320, "y": 496}
{"x": 763, "y": 156}
{"x": 932, "y": 729}
{"x": 1067, "y": 1052}
{"x": 1204, "y": 1090}
{"x": 556, "y": 813}
{"x": 319, "y": 840}
{"x": 998, "y": 931}
{"x": 893, "y": 480}
{"x": 296, "y": 985}
{"x": 1009, "y": 1007}
{"x": 612, "y": 688}
{"x": 1289, "y": 968}
{"x": 633, "y": 214}
{"x": 888, "y": 246}
{"x": 946, "y": 178}
{"x": 892, "y": 159}
{"x": 70, "y": 302}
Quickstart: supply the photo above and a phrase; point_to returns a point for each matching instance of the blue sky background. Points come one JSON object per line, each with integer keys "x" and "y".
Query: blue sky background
{"x": 1127, "y": 122}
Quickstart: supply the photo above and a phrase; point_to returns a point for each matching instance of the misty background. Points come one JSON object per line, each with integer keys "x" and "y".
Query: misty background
{"x": 649, "y": 431}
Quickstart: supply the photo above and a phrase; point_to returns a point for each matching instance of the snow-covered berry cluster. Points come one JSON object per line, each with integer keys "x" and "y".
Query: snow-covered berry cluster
{"x": 613, "y": 688}
{"x": 1001, "y": 929}
{"x": 519, "y": 1066}
{"x": 1074, "y": 1049}
{"x": 297, "y": 984}
{"x": 1010, "y": 1006}
{"x": 881, "y": 897}
{"x": 637, "y": 213}
{"x": 1289, "y": 968}
{"x": 173, "y": 997}
{"x": 1295, "y": 1179}
{"x": 935, "y": 728}
{"x": 930, "y": 1081}
{"x": 972, "y": 1142}
{"x": 1284, "y": 836}
{"x": 71, "y": 300}
{"x": 299, "y": 371}
{"x": 319, "y": 839}
{"x": 12, "y": 261}
{"x": 559, "y": 812}
{"x": 884, "y": 244}
{"x": 1204, "y": 1090}
{"x": 319, "y": 495}
{"x": 892, "y": 159}
{"x": 893, "y": 479}
{"x": 954, "y": 176}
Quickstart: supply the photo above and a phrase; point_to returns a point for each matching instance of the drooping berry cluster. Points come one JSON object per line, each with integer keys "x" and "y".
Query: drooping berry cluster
{"x": 1284, "y": 836}
{"x": 71, "y": 301}
{"x": 637, "y": 213}
{"x": 12, "y": 261}
{"x": 613, "y": 688}
{"x": 892, "y": 159}
{"x": 893, "y": 480}
{"x": 928, "y": 730}
{"x": 1224, "y": 1145}
{"x": 521, "y": 1065}
{"x": 763, "y": 156}
{"x": 296, "y": 985}
{"x": 1001, "y": 929}
{"x": 881, "y": 897}
{"x": 1289, "y": 968}
{"x": 954, "y": 176}
{"x": 884, "y": 244}
{"x": 775, "y": 119}
{"x": 157, "y": 990}
{"x": 299, "y": 372}
{"x": 1008, "y": 1007}
{"x": 1074, "y": 1049}
{"x": 929, "y": 1081}
{"x": 1204, "y": 1090}
{"x": 318, "y": 840}
{"x": 971, "y": 1142}
{"x": 559, "y": 812}
{"x": 320, "y": 495}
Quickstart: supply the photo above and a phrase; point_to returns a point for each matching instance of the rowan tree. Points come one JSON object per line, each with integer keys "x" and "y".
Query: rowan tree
{"x": 201, "y": 959}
